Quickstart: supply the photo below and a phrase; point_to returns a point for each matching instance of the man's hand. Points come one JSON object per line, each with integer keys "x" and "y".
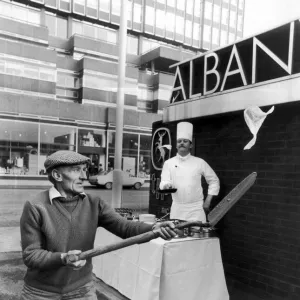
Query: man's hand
{"x": 78, "y": 264}
{"x": 165, "y": 229}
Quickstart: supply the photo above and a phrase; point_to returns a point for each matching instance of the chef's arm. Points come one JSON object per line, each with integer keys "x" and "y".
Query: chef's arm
{"x": 166, "y": 181}
{"x": 207, "y": 203}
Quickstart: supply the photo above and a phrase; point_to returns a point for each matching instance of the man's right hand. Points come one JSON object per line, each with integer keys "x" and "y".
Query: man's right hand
{"x": 65, "y": 257}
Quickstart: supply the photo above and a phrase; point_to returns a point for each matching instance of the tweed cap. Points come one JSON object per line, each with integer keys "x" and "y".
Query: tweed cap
{"x": 64, "y": 158}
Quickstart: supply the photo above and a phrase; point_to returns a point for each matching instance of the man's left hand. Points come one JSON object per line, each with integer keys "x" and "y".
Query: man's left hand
{"x": 165, "y": 229}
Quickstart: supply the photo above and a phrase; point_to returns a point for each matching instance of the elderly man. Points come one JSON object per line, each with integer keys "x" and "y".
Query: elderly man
{"x": 63, "y": 221}
{"x": 184, "y": 172}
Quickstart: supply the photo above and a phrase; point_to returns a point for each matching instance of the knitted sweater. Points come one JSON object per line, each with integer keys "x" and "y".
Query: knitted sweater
{"x": 47, "y": 230}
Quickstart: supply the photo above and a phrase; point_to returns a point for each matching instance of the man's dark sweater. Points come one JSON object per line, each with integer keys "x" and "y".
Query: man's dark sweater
{"x": 48, "y": 230}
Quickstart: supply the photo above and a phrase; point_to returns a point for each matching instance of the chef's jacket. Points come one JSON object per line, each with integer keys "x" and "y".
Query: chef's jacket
{"x": 184, "y": 174}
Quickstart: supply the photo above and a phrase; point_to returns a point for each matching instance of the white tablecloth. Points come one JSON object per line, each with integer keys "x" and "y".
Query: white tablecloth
{"x": 181, "y": 269}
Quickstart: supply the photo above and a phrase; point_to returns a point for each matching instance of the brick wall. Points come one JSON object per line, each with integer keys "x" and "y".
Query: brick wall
{"x": 260, "y": 236}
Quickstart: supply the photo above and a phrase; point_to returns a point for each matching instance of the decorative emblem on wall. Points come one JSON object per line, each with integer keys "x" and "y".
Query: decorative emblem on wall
{"x": 161, "y": 147}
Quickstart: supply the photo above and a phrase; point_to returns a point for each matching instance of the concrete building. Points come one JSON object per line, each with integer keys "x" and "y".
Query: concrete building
{"x": 58, "y": 74}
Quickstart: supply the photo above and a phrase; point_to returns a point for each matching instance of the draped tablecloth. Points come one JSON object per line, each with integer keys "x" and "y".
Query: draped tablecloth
{"x": 180, "y": 269}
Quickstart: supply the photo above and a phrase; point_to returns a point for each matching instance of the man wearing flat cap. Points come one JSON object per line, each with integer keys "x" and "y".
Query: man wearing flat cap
{"x": 61, "y": 222}
{"x": 184, "y": 172}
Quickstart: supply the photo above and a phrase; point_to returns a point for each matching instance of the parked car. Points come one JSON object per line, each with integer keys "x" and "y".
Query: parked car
{"x": 105, "y": 178}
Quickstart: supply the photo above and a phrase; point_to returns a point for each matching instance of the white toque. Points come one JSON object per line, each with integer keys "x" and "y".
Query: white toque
{"x": 185, "y": 131}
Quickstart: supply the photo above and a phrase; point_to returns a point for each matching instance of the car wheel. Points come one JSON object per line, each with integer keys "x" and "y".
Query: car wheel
{"x": 108, "y": 185}
{"x": 137, "y": 185}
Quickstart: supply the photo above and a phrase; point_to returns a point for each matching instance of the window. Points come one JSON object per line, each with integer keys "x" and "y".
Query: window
{"x": 206, "y": 33}
{"x": 240, "y": 23}
{"x": 181, "y": 5}
{"x": 234, "y": 2}
{"x": 241, "y": 4}
{"x": 51, "y": 3}
{"x": 217, "y": 13}
{"x": 189, "y": 6}
{"x": 54, "y": 138}
{"x": 215, "y": 36}
{"x": 170, "y": 25}
{"x": 116, "y": 7}
{"x": 89, "y": 30}
{"x": 188, "y": 29}
{"x": 230, "y": 38}
{"x": 79, "y": 6}
{"x": 224, "y": 16}
{"x": 77, "y": 27}
{"x": 132, "y": 45}
{"x": 137, "y": 12}
{"x": 179, "y": 25}
{"x": 232, "y": 19}
{"x": 145, "y": 156}
{"x": 18, "y": 148}
{"x": 171, "y": 3}
{"x": 208, "y": 10}
{"x": 57, "y": 26}
{"x": 92, "y": 8}
{"x": 197, "y": 9}
{"x": 160, "y": 19}
{"x": 65, "y": 5}
{"x": 104, "y": 5}
{"x": 223, "y": 40}
{"x": 149, "y": 16}
{"x": 196, "y": 31}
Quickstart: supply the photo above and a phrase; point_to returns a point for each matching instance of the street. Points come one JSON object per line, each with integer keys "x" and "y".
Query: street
{"x": 12, "y": 201}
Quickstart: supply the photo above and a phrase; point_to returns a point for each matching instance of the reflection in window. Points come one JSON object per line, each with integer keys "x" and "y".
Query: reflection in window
{"x": 18, "y": 148}
{"x": 57, "y": 25}
{"x": 54, "y": 138}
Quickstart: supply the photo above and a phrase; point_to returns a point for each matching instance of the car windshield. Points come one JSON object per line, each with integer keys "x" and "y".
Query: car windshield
{"x": 103, "y": 172}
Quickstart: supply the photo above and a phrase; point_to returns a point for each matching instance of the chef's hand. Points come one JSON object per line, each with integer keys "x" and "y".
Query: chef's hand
{"x": 76, "y": 265}
{"x": 168, "y": 186}
{"x": 165, "y": 229}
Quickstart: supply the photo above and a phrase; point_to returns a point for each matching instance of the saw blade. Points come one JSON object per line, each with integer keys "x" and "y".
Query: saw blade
{"x": 228, "y": 201}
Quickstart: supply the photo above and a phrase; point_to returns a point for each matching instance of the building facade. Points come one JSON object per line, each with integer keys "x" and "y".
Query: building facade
{"x": 58, "y": 74}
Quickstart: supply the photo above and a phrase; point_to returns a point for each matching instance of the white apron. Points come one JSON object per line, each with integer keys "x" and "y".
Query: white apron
{"x": 188, "y": 212}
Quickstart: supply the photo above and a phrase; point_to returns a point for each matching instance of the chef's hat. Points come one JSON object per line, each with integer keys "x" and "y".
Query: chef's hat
{"x": 185, "y": 131}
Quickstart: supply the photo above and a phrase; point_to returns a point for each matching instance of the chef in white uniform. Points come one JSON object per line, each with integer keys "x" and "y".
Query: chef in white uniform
{"x": 184, "y": 172}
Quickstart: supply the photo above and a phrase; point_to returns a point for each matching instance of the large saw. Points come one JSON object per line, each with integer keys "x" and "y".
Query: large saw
{"x": 213, "y": 218}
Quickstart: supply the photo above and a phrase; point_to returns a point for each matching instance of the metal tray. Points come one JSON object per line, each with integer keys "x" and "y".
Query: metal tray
{"x": 167, "y": 191}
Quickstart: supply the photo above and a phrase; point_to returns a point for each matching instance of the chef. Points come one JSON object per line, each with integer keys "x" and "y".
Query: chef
{"x": 184, "y": 172}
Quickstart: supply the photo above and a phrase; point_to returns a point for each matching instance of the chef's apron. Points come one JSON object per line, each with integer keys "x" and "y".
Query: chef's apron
{"x": 188, "y": 212}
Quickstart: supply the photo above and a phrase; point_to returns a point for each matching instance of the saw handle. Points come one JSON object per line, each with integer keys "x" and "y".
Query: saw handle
{"x": 138, "y": 239}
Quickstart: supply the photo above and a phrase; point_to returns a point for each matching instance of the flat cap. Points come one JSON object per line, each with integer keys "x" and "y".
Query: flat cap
{"x": 64, "y": 158}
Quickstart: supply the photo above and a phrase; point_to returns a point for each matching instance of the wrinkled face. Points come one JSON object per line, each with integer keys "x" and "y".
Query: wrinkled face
{"x": 183, "y": 146}
{"x": 70, "y": 179}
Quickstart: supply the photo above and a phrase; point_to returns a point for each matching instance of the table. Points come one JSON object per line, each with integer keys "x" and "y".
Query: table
{"x": 187, "y": 268}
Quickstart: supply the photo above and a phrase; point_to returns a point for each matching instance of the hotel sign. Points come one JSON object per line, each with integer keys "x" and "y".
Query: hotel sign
{"x": 265, "y": 57}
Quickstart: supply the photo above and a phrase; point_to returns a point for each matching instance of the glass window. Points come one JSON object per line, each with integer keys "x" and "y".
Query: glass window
{"x": 197, "y": 9}
{"x": 132, "y": 44}
{"x": 149, "y": 16}
{"x": 145, "y": 156}
{"x": 231, "y": 38}
{"x": 111, "y": 36}
{"x": 34, "y": 16}
{"x": 208, "y": 10}
{"x": 77, "y": 27}
{"x": 188, "y": 29}
{"x": 160, "y": 19}
{"x": 215, "y": 36}
{"x": 61, "y": 29}
{"x": 89, "y": 30}
{"x": 189, "y": 6}
{"x": 181, "y": 5}
{"x": 161, "y": 1}
{"x": 223, "y": 40}
{"x": 31, "y": 71}
{"x": 14, "y": 68}
{"x": 54, "y": 138}
{"x": 196, "y": 31}
{"x": 5, "y": 9}
{"x": 65, "y": 5}
{"x": 234, "y": 2}
{"x": 206, "y": 33}
{"x": 224, "y": 16}
{"x": 51, "y": 3}
{"x": 171, "y": 3}
{"x": 241, "y": 4}
{"x": 170, "y": 25}
{"x": 129, "y": 11}
{"x": 137, "y": 12}
{"x": 2, "y": 66}
{"x": 232, "y": 21}
{"x": 92, "y": 4}
{"x": 240, "y": 23}
{"x": 116, "y": 7}
{"x": 179, "y": 25}
{"x": 217, "y": 13}
{"x": 18, "y": 148}
{"x": 104, "y": 5}
{"x": 79, "y": 6}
